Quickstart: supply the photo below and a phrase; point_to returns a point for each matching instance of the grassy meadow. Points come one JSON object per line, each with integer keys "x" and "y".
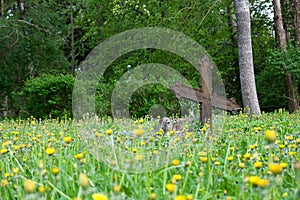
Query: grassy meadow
{"x": 243, "y": 159}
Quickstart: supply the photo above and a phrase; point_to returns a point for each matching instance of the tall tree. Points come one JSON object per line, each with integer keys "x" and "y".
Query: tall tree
{"x": 288, "y": 77}
{"x": 297, "y": 20}
{"x": 247, "y": 78}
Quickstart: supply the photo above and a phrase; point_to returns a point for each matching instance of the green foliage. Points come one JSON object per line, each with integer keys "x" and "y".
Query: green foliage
{"x": 270, "y": 81}
{"x": 47, "y": 95}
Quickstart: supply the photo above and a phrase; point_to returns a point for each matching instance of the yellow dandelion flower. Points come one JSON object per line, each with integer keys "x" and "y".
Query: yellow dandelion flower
{"x": 285, "y": 194}
{"x": 50, "y": 151}
{"x": 254, "y": 179}
{"x": 170, "y": 187}
{"x": 83, "y": 180}
{"x": 262, "y": 183}
{"x": 247, "y": 155}
{"x": 177, "y": 177}
{"x": 139, "y": 157}
{"x": 241, "y": 165}
{"x": 217, "y": 163}
{"x": 67, "y": 139}
{"x": 55, "y": 170}
{"x": 97, "y": 196}
{"x": 117, "y": 188}
{"x": 152, "y": 196}
{"x": 41, "y": 189}
{"x": 78, "y": 156}
{"x": 138, "y": 132}
{"x": 4, "y": 182}
{"x": 230, "y": 158}
{"x": 283, "y": 165}
{"x": 203, "y": 159}
{"x": 270, "y": 135}
{"x": 290, "y": 137}
{"x": 171, "y": 132}
{"x": 29, "y": 186}
{"x": 292, "y": 153}
{"x": 180, "y": 197}
{"x": 3, "y": 151}
{"x": 175, "y": 162}
{"x": 275, "y": 168}
{"x": 189, "y": 197}
{"x": 109, "y": 132}
{"x": 258, "y": 165}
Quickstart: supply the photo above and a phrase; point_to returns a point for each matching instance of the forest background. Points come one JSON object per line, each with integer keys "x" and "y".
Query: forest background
{"x": 43, "y": 42}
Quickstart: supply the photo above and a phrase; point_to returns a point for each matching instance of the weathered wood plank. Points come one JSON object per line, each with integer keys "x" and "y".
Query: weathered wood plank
{"x": 182, "y": 91}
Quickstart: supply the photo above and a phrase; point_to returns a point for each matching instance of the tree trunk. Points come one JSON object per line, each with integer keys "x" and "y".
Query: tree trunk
{"x": 286, "y": 10}
{"x": 2, "y": 8}
{"x": 289, "y": 92}
{"x": 279, "y": 25}
{"x": 72, "y": 41}
{"x": 21, "y": 6}
{"x": 248, "y": 86}
{"x": 288, "y": 81}
{"x": 232, "y": 23}
{"x": 297, "y": 20}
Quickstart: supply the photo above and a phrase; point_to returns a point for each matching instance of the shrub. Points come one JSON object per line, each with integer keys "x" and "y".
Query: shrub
{"x": 47, "y": 95}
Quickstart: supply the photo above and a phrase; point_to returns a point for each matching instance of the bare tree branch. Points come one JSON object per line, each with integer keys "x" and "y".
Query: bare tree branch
{"x": 34, "y": 25}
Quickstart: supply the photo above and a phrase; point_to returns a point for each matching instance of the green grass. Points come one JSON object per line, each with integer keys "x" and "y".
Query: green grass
{"x": 208, "y": 165}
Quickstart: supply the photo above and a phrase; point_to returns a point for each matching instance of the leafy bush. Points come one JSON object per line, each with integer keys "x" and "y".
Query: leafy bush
{"x": 47, "y": 95}
{"x": 270, "y": 81}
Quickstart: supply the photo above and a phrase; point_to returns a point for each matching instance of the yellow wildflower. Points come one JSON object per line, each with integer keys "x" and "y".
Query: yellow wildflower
{"x": 180, "y": 197}
{"x": 117, "y": 188}
{"x": 176, "y": 178}
{"x": 258, "y": 165}
{"x": 78, "y": 156}
{"x": 203, "y": 159}
{"x": 109, "y": 132}
{"x": 50, "y": 151}
{"x": 170, "y": 187}
{"x": 283, "y": 165}
{"x": 3, "y": 151}
{"x": 175, "y": 162}
{"x": 138, "y": 132}
{"x": 41, "y": 189}
{"x": 152, "y": 196}
{"x": 270, "y": 135}
{"x": 241, "y": 165}
{"x": 55, "y": 170}
{"x": 275, "y": 168}
{"x": 247, "y": 155}
{"x": 67, "y": 139}
{"x": 29, "y": 186}
{"x": 262, "y": 183}
{"x": 83, "y": 180}
{"x": 285, "y": 194}
{"x": 230, "y": 158}
{"x": 98, "y": 196}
